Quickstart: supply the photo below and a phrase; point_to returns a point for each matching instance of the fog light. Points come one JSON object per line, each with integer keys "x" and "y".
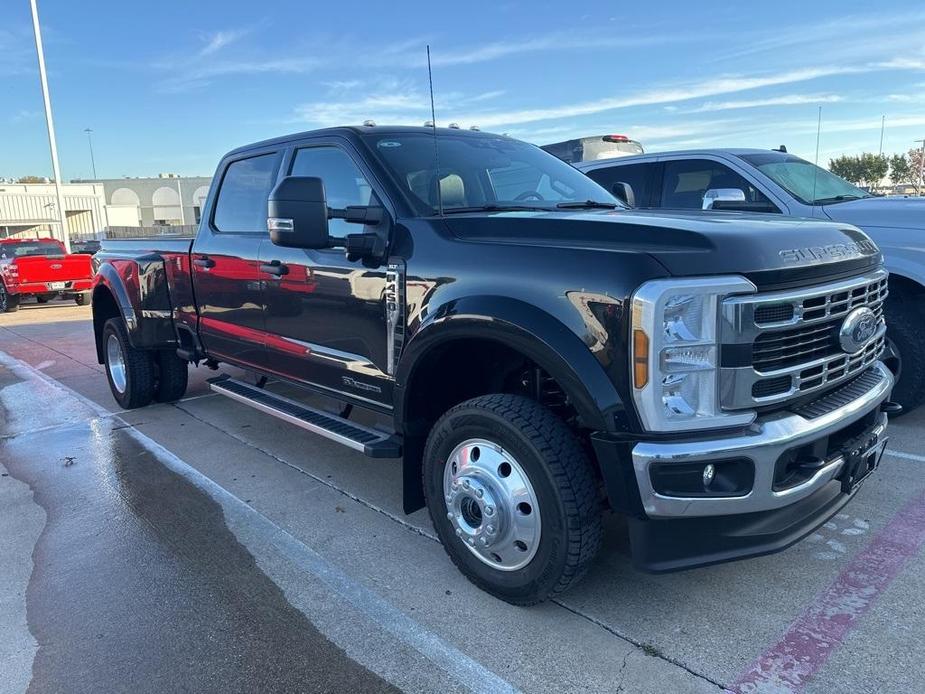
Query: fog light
{"x": 709, "y": 472}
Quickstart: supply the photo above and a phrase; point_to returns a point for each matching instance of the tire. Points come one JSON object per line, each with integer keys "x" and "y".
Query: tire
{"x": 905, "y": 356}
{"x": 556, "y": 505}
{"x": 8, "y": 302}
{"x": 82, "y": 299}
{"x": 130, "y": 371}
{"x": 172, "y": 376}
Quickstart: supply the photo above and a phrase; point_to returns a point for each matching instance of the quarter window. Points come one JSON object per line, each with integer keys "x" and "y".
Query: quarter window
{"x": 242, "y": 198}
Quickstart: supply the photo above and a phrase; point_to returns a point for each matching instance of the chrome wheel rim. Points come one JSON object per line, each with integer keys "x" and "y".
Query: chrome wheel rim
{"x": 115, "y": 362}
{"x": 491, "y": 504}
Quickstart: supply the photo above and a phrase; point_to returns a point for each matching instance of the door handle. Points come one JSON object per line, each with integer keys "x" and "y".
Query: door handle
{"x": 204, "y": 262}
{"x": 275, "y": 267}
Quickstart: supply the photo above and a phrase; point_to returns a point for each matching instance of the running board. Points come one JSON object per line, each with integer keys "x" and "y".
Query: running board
{"x": 373, "y": 443}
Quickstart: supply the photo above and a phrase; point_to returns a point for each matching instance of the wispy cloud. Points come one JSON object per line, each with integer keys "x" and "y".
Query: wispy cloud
{"x": 216, "y": 41}
{"x": 23, "y": 115}
{"x": 788, "y": 100}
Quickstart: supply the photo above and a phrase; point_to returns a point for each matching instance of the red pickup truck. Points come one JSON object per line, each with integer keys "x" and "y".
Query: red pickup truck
{"x": 41, "y": 268}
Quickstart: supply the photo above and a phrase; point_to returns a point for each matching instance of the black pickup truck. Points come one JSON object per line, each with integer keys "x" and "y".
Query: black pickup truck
{"x": 539, "y": 353}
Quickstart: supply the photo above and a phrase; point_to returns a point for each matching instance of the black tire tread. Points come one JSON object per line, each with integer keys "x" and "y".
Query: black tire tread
{"x": 571, "y": 472}
{"x": 139, "y": 365}
{"x": 905, "y": 326}
{"x": 172, "y": 376}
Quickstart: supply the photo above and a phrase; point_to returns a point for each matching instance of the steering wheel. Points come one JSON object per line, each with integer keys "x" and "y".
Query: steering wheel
{"x": 529, "y": 195}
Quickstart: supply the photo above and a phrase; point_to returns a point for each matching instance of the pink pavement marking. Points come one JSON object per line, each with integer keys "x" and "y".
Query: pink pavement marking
{"x": 790, "y": 663}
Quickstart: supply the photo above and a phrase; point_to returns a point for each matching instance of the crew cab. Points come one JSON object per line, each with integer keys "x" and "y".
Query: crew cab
{"x": 776, "y": 182}
{"x": 41, "y": 268}
{"x": 533, "y": 351}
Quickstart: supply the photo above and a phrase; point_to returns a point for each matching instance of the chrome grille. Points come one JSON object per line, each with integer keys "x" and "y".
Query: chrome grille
{"x": 781, "y": 345}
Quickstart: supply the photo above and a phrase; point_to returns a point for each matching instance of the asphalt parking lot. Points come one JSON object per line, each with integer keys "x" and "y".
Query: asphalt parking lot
{"x": 204, "y": 546}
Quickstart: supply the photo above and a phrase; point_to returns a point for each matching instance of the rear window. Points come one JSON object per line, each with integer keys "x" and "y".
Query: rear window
{"x": 20, "y": 249}
{"x": 242, "y": 198}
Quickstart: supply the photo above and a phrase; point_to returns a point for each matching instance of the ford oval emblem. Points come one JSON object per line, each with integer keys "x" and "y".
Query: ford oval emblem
{"x": 56, "y": 266}
{"x": 859, "y": 327}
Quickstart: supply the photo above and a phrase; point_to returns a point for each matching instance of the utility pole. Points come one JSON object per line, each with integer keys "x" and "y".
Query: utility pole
{"x": 90, "y": 142}
{"x": 53, "y": 145}
{"x": 180, "y": 195}
{"x": 882, "y": 126}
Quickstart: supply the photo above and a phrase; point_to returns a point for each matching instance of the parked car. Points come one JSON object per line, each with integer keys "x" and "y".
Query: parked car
{"x": 41, "y": 268}
{"x": 536, "y": 351}
{"x": 594, "y": 148}
{"x": 89, "y": 246}
{"x": 777, "y": 182}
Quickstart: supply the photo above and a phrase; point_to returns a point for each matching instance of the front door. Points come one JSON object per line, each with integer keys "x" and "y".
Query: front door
{"x": 326, "y": 321}
{"x": 225, "y": 262}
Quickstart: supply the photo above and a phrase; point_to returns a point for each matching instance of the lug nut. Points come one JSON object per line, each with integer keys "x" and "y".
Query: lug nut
{"x": 479, "y": 493}
{"x": 489, "y": 510}
{"x": 449, "y": 515}
{"x": 483, "y": 541}
{"x": 459, "y": 531}
{"x": 471, "y": 541}
{"x": 490, "y": 530}
{"x": 465, "y": 484}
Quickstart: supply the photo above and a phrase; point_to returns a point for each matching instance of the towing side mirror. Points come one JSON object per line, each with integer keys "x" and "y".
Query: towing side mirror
{"x": 297, "y": 213}
{"x": 722, "y": 195}
{"x": 624, "y": 192}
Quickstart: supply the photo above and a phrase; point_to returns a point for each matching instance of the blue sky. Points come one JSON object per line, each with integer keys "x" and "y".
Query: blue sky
{"x": 168, "y": 86}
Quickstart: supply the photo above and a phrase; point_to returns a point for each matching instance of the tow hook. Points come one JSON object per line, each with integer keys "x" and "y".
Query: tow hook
{"x": 891, "y": 408}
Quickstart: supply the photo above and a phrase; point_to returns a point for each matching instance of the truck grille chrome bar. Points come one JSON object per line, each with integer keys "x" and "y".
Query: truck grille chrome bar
{"x": 781, "y": 345}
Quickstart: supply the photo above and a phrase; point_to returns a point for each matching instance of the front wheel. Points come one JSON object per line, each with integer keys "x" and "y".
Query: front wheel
{"x": 904, "y": 355}
{"x": 513, "y": 497}
{"x": 130, "y": 371}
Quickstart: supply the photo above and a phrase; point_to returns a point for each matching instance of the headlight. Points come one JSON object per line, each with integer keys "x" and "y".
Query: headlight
{"x": 675, "y": 360}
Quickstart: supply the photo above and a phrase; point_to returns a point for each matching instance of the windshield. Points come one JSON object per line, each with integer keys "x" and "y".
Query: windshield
{"x": 479, "y": 171}
{"x": 808, "y": 183}
{"x": 18, "y": 249}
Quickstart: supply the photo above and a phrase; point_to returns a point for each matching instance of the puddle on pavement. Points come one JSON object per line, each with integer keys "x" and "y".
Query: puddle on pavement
{"x": 139, "y": 585}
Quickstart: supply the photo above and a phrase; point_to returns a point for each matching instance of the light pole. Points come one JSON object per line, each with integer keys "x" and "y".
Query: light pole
{"x": 52, "y": 144}
{"x": 90, "y": 142}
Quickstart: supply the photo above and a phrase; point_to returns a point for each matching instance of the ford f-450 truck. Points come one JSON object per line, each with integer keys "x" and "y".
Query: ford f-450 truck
{"x": 539, "y": 353}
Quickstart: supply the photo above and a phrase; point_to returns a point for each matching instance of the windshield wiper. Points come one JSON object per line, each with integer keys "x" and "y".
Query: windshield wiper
{"x": 493, "y": 207}
{"x": 586, "y": 205}
{"x": 839, "y": 198}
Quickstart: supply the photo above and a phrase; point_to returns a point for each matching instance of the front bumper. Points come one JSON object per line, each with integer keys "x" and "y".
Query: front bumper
{"x": 669, "y": 533}
{"x": 763, "y": 443}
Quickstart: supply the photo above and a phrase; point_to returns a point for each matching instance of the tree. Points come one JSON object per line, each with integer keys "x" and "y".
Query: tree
{"x": 32, "y": 179}
{"x": 900, "y": 169}
{"x": 846, "y": 167}
{"x": 915, "y": 164}
{"x": 872, "y": 168}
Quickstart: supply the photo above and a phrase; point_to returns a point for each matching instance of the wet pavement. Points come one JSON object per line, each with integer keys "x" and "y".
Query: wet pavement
{"x": 204, "y": 546}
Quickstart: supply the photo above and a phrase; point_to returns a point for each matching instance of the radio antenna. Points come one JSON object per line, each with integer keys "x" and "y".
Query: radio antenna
{"x": 433, "y": 125}
{"x": 816, "y": 167}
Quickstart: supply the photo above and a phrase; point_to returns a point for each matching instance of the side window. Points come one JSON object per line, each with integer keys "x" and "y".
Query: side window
{"x": 344, "y": 184}
{"x": 242, "y": 198}
{"x": 639, "y": 177}
{"x": 685, "y": 181}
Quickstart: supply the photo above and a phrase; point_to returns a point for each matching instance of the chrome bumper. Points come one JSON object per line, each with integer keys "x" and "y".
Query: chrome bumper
{"x": 763, "y": 443}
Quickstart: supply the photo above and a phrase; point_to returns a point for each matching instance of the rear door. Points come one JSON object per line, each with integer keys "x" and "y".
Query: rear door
{"x": 325, "y": 315}
{"x": 225, "y": 260}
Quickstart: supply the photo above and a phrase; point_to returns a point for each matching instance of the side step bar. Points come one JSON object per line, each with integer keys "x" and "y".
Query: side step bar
{"x": 373, "y": 443}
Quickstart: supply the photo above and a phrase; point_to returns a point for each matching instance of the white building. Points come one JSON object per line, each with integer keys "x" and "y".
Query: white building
{"x": 31, "y": 209}
{"x": 155, "y": 201}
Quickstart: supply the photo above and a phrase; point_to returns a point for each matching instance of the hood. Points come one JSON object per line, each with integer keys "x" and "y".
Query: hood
{"x": 898, "y": 213}
{"x": 771, "y": 251}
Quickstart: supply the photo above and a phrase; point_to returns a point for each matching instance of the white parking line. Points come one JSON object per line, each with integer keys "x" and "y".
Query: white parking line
{"x": 468, "y": 672}
{"x": 906, "y": 456}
